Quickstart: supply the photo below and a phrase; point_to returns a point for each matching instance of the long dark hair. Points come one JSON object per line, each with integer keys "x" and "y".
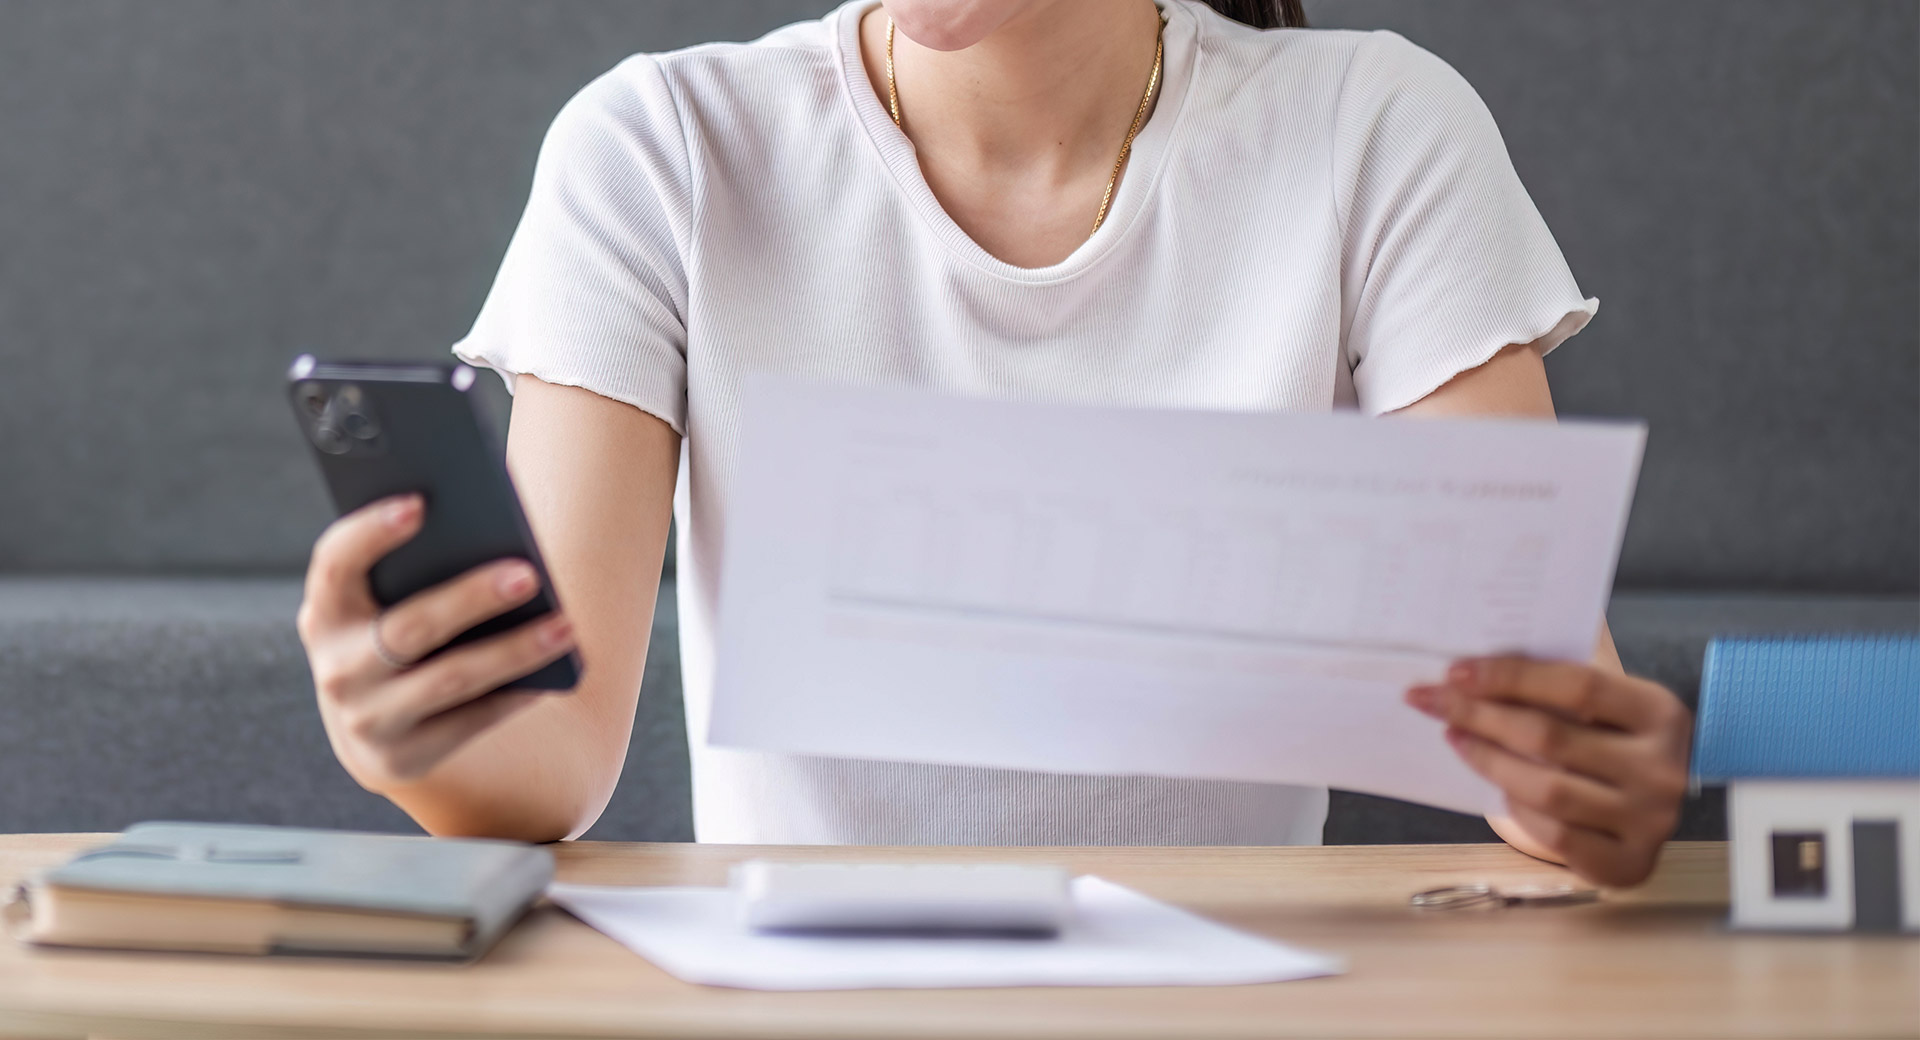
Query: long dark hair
{"x": 1263, "y": 14}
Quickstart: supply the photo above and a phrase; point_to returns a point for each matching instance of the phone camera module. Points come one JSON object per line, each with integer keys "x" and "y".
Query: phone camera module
{"x": 340, "y": 419}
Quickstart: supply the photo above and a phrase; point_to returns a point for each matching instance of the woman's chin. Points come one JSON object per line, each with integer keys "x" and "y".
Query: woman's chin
{"x": 951, "y": 25}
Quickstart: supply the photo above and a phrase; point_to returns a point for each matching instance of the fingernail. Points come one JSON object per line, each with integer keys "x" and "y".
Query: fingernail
{"x": 516, "y": 580}
{"x": 556, "y": 634}
{"x": 401, "y": 511}
{"x": 1425, "y": 698}
{"x": 1462, "y": 673}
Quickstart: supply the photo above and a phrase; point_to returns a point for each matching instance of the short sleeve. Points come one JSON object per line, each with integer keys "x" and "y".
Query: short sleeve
{"x": 1445, "y": 258}
{"x": 593, "y": 289}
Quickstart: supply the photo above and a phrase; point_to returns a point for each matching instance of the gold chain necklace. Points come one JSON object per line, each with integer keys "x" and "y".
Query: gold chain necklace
{"x": 1126, "y": 146}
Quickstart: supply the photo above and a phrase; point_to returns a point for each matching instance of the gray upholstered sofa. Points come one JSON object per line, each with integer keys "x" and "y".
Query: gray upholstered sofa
{"x": 192, "y": 192}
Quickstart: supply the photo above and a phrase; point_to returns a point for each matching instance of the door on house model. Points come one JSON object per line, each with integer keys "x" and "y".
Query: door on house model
{"x": 1876, "y": 875}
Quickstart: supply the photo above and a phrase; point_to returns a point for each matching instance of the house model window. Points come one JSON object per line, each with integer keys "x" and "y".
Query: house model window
{"x": 1799, "y": 864}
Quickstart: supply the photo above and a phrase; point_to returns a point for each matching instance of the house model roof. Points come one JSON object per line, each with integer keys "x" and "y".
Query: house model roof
{"x": 1815, "y": 707}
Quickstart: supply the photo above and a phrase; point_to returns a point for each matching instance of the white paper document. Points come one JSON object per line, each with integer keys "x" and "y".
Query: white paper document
{"x": 1117, "y": 937}
{"x": 1238, "y": 596}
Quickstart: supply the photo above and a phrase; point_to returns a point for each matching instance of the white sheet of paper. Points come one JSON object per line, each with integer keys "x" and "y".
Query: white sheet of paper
{"x": 1118, "y": 937}
{"x": 1240, "y": 596}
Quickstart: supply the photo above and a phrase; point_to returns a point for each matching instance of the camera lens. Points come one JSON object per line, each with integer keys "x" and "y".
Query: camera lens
{"x": 313, "y": 399}
{"x": 328, "y": 438}
{"x": 359, "y": 425}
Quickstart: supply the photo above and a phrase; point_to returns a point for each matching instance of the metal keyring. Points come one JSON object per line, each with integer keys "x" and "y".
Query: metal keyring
{"x": 1482, "y": 894}
{"x": 380, "y": 650}
{"x": 1453, "y": 897}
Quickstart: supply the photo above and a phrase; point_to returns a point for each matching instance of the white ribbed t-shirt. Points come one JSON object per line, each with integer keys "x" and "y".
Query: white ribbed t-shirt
{"x": 1310, "y": 220}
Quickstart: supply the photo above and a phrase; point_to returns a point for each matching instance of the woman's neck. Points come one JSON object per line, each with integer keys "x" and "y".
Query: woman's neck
{"x": 1018, "y": 133}
{"x": 1060, "y": 79}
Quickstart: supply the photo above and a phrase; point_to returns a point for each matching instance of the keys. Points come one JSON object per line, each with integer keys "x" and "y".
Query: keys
{"x": 1461, "y": 897}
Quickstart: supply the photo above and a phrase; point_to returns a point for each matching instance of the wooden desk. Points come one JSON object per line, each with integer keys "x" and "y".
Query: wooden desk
{"x": 1655, "y": 962}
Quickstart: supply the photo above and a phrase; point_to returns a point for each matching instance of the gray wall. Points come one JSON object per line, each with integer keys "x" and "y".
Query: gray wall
{"x": 192, "y": 191}
{"x": 1737, "y": 182}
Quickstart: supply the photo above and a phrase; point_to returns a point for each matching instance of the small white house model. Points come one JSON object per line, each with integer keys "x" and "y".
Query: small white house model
{"x": 1818, "y": 742}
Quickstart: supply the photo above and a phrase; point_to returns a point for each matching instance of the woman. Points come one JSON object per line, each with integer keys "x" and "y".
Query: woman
{"x": 1070, "y": 200}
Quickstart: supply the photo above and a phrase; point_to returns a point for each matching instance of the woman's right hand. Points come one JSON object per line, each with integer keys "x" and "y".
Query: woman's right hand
{"x": 388, "y": 725}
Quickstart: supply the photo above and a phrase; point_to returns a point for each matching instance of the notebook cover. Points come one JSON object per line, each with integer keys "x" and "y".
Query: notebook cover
{"x": 488, "y": 883}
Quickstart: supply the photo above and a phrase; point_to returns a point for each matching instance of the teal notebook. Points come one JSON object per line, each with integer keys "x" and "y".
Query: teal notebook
{"x": 242, "y": 889}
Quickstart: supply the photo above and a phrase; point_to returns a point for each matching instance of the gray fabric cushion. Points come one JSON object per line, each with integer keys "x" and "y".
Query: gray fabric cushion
{"x": 127, "y": 700}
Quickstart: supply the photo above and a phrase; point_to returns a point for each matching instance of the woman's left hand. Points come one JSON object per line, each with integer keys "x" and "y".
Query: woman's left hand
{"x": 1593, "y": 763}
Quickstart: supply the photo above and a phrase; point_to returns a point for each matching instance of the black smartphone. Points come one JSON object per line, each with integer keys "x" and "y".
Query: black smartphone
{"x": 380, "y": 429}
